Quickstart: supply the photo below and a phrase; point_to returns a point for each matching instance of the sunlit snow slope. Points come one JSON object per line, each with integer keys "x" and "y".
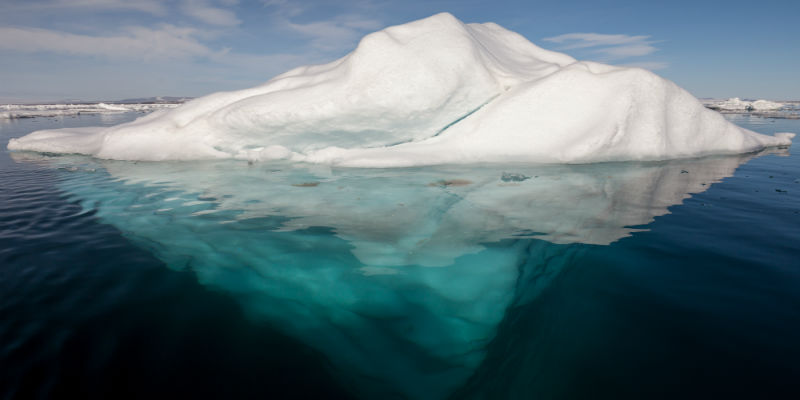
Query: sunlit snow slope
{"x": 432, "y": 91}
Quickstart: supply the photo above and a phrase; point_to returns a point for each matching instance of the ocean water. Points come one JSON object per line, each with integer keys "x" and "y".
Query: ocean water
{"x": 236, "y": 280}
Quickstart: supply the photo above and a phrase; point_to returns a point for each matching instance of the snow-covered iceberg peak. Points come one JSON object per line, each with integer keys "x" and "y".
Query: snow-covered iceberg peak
{"x": 432, "y": 91}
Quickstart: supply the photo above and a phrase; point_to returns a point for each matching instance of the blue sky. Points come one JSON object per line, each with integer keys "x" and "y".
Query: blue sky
{"x": 115, "y": 49}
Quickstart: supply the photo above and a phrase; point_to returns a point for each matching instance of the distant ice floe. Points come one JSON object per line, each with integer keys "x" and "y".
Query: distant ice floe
{"x": 737, "y": 104}
{"x": 432, "y": 91}
{"x": 14, "y": 111}
{"x": 764, "y": 108}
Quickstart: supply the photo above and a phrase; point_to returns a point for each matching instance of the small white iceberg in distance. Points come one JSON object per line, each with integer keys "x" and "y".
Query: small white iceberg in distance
{"x": 737, "y": 104}
{"x": 432, "y": 91}
{"x": 18, "y": 111}
{"x": 112, "y": 107}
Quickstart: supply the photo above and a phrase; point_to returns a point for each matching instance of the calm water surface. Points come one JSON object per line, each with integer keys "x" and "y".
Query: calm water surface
{"x": 223, "y": 279}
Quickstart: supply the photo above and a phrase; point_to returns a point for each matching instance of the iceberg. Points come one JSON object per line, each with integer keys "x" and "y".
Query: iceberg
{"x": 432, "y": 91}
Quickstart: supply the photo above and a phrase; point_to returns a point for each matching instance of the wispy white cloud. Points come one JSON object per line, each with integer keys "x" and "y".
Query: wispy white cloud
{"x": 212, "y": 12}
{"x": 165, "y": 42}
{"x": 193, "y": 45}
{"x": 334, "y": 32}
{"x": 154, "y": 7}
{"x": 581, "y": 40}
{"x": 165, "y": 45}
{"x": 607, "y": 47}
{"x": 203, "y": 11}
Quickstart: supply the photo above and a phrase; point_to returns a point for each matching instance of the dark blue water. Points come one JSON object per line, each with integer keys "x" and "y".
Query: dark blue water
{"x": 621, "y": 280}
{"x": 86, "y": 314}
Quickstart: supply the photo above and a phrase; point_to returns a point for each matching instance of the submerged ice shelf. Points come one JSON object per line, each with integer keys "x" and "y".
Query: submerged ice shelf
{"x": 399, "y": 276}
{"x": 432, "y": 91}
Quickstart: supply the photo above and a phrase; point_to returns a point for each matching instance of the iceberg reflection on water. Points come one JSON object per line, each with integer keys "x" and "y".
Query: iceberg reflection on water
{"x": 400, "y": 276}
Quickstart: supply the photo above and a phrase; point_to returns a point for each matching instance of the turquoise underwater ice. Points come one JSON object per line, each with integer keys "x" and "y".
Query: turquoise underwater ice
{"x": 401, "y": 276}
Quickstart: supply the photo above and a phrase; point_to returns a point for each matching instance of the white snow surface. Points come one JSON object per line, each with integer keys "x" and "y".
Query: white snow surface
{"x": 432, "y": 91}
{"x": 737, "y": 104}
